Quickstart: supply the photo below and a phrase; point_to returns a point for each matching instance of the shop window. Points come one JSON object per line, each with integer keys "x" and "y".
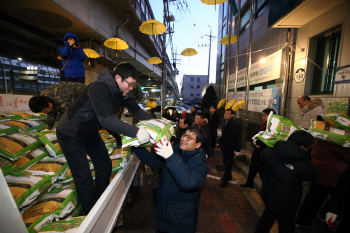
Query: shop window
{"x": 324, "y": 51}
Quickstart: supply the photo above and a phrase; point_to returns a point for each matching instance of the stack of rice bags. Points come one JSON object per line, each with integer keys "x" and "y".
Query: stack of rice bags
{"x": 334, "y": 129}
{"x": 21, "y": 122}
{"x": 278, "y": 128}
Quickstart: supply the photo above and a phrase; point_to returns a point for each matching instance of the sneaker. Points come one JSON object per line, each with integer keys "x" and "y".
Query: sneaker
{"x": 301, "y": 226}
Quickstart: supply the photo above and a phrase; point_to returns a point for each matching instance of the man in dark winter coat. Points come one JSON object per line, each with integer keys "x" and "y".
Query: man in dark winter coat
{"x": 202, "y": 123}
{"x": 77, "y": 130}
{"x": 230, "y": 142}
{"x": 184, "y": 123}
{"x": 192, "y": 114}
{"x": 72, "y": 59}
{"x": 184, "y": 170}
{"x": 213, "y": 123}
{"x": 286, "y": 166}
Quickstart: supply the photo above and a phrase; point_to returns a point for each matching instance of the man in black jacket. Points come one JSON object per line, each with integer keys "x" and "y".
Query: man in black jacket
{"x": 202, "y": 123}
{"x": 286, "y": 166}
{"x": 192, "y": 114}
{"x": 184, "y": 123}
{"x": 230, "y": 142}
{"x": 77, "y": 130}
{"x": 214, "y": 122}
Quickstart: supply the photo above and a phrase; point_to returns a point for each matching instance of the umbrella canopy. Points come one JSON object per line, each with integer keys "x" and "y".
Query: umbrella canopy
{"x": 238, "y": 105}
{"x": 213, "y": 2}
{"x": 221, "y": 102}
{"x": 189, "y": 52}
{"x": 230, "y": 104}
{"x": 154, "y": 60}
{"x": 116, "y": 43}
{"x": 224, "y": 40}
{"x": 59, "y": 57}
{"x": 90, "y": 53}
{"x": 152, "y": 27}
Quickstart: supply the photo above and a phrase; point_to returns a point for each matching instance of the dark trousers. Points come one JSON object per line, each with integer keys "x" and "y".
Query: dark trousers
{"x": 314, "y": 199}
{"x": 78, "y": 80}
{"x": 75, "y": 150}
{"x": 268, "y": 218}
{"x": 255, "y": 166}
{"x": 228, "y": 162}
{"x": 213, "y": 135}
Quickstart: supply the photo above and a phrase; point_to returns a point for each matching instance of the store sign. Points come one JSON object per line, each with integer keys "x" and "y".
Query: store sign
{"x": 14, "y": 103}
{"x": 342, "y": 75}
{"x": 260, "y": 99}
{"x": 338, "y": 105}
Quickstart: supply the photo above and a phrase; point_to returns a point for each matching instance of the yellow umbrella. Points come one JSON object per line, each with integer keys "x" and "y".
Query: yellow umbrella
{"x": 230, "y": 104}
{"x": 224, "y": 40}
{"x": 152, "y": 27}
{"x": 221, "y": 102}
{"x": 90, "y": 53}
{"x": 238, "y": 105}
{"x": 116, "y": 43}
{"x": 189, "y": 52}
{"x": 59, "y": 57}
{"x": 154, "y": 60}
{"x": 213, "y": 2}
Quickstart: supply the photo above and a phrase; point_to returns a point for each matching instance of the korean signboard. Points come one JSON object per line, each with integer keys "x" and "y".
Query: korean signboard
{"x": 14, "y": 103}
{"x": 342, "y": 75}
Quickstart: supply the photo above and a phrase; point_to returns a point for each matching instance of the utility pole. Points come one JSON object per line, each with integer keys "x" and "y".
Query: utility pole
{"x": 211, "y": 37}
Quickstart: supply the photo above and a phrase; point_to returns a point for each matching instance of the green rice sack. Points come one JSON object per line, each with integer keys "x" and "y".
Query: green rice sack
{"x": 8, "y": 129}
{"x": 58, "y": 203}
{"x": 67, "y": 176}
{"x": 120, "y": 159}
{"x": 16, "y": 146}
{"x": 27, "y": 186}
{"x": 9, "y": 116}
{"x": 109, "y": 141}
{"x": 338, "y": 120}
{"x": 278, "y": 129}
{"x": 69, "y": 225}
{"x": 6, "y": 166}
{"x": 31, "y": 116}
{"x": 57, "y": 165}
{"x": 27, "y": 125}
{"x": 31, "y": 158}
{"x": 323, "y": 131}
{"x": 49, "y": 139}
{"x": 156, "y": 128}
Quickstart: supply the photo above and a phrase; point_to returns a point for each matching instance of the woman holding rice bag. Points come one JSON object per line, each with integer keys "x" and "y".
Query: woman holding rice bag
{"x": 255, "y": 163}
{"x": 77, "y": 131}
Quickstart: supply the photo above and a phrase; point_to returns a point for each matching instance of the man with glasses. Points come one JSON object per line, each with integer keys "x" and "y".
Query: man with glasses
{"x": 77, "y": 130}
{"x": 184, "y": 170}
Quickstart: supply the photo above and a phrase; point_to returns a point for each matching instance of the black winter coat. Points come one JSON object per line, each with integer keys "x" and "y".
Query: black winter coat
{"x": 207, "y": 143}
{"x": 231, "y": 137}
{"x": 182, "y": 177}
{"x": 213, "y": 123}
{"x": 286, "y": 166}
{"x": 340, "y": 198}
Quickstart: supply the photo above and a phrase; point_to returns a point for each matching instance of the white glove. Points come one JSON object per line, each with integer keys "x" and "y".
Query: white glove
{"x": 330, "y": 218}
{"x": 254, "y": 142}
{"x": 163, "y": 148}
{"x": 142, "y": 136}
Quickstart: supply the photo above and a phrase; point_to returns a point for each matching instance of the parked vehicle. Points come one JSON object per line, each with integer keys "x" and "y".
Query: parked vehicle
{"x": 152, "y": 102}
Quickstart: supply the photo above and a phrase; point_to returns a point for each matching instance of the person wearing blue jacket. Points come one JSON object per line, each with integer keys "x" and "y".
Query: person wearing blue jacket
{"x": 184, "y": 170}
{"x": 74, "y": 70}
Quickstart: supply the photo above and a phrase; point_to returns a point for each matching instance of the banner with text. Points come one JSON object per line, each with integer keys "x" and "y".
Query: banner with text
{"x": 14, "y": 103}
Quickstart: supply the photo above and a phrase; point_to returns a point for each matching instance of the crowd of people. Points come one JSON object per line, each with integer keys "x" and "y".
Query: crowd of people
{"x": 82, "y": 111}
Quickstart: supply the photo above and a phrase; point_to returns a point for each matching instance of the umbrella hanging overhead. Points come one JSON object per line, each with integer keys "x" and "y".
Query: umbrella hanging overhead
{"x": 152, "y": 27}
{"x": 238, "y": 105}
{"x": 189, "y": 52}
{"x": 90, "y": 53}
{"x": 221, "y": 102}
{"x": 213, "y": 2}
{"x": 230, "y": 104}
{"x": 154, "y": 60}
{"x": 116, "y": 43}
{"x": 225, "y": 39}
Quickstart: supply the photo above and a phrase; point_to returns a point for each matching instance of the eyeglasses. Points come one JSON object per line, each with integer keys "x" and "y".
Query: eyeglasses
{"x": 130, "y": 85}
{"x": 188, "y": 137}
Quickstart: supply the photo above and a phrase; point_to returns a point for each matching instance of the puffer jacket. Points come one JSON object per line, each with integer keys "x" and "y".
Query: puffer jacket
{"x": 95, "y": 109}
{"x": 310, "y": 112}
{"x": 182, "y": 177}
{"x": 75, "y": 66}
{"x": 286, "y": 166}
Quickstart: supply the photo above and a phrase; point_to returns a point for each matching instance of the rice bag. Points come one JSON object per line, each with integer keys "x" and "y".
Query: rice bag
{"x": 9, "y": 116}
{"x": 48, "y": 164}
{"x": 326, "y": 132}
{"x": 67, "y": 176}
{"x": 338, "y": 120}
{"x": 27, "y": 186}
{"x": 58, "y": 203}
{"x": 49, "y": 139}
{"x": 31, "y": 116}
{"x": 69, "y": 225}
{"x": 8, "y": 129}
{"x": 109, "y": 141}
{"x": 120, "y": 159}
{"x": 6, "y": 166}
{"x": 27, "y": 125}
{"x": 278, "y": 129}
{"x": 156, "y": 128}
{"x": 16, "y": 146}
{"x": 31, "y": 158}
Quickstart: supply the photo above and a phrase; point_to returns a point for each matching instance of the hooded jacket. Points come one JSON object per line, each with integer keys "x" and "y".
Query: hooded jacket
{"x": 182, "y": 177}
{"x": 95, "y": 109}
{"x": 75, "y": 66}
{"x": 286, "y": 166}
{"x": 310, "y": 112}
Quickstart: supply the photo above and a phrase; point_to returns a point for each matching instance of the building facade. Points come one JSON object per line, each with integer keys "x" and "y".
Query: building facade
{"x": 192, "y": 88}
